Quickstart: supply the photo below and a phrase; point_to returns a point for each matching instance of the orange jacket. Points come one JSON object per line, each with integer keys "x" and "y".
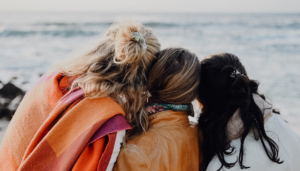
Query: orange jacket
{"x": 170, "y": 144}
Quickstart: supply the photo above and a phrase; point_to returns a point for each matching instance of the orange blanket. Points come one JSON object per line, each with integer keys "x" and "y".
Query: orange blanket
{"x": 51, "y": 131}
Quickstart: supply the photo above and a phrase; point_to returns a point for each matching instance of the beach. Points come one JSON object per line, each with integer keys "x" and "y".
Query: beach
{"x": 267, "y": 44}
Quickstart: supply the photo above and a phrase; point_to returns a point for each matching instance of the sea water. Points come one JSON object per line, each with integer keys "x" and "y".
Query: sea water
{"x": 267, "y": 44}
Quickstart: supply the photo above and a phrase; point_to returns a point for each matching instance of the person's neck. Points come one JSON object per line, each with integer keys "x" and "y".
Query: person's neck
{"x": 153, "y": 100}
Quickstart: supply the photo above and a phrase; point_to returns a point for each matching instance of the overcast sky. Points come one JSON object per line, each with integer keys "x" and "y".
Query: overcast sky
{"x": 234, "y": 6}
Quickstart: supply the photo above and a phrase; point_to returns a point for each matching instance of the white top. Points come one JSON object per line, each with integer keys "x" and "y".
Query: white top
{"x": 117, "y": 148}
{"x": 255, "y": 156}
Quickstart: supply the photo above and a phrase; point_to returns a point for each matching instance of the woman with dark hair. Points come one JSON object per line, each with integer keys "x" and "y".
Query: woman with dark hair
{"x": 171, "y": 142}
{"x": 240, "y": 128}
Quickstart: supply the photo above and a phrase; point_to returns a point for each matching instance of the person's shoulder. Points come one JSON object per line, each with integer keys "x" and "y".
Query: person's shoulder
{"x": 144, "y": 145}
{"x": 130, "y": 159}
{"x": 285, "y": 134}
{"x": 277, "y": 123}
{"x": 135, "y": 153}
{"x": 155, "y": 138}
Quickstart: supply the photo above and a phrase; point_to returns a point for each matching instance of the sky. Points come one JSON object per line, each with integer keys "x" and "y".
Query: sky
{"x": 181, "y": 6}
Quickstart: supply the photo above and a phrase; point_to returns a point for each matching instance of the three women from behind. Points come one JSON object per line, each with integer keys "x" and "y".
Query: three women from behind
{"x": 240, "y": 128}
{"x": 171, "y": 142}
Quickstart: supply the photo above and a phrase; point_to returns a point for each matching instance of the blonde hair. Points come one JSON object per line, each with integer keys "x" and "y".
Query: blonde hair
{"x": 174, "y": 78}
{"x": 117, "y": 68}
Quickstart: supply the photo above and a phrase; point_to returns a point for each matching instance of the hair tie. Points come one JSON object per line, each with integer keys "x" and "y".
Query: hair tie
{"x": 235, "y": 73}
{"x": 140, "y": 39}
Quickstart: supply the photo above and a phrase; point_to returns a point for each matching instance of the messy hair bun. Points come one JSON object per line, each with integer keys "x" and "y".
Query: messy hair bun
{"x": 117, "y": 67}
{"x": 128, "y": 48}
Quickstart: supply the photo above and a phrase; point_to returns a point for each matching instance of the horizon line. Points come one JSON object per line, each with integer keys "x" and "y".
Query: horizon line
{"x": 150, "y": 12}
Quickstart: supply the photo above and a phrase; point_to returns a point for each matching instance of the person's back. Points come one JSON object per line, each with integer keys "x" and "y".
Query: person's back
{"x": 171, "y": 141}
{"x": 241, "y": 129}
{"x": 288, "y": 143}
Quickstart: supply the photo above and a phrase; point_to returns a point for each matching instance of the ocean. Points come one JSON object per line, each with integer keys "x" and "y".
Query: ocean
{"x": 267, "y": 44}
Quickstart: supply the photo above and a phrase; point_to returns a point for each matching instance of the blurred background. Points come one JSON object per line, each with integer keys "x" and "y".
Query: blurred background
{"x": 265, "y": 35}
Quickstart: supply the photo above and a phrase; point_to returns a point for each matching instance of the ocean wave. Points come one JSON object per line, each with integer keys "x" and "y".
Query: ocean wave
{"x": 72, "y": 24}
{"x": 292, "y": 25}
{"x": 62, "y": 24}
{"x": 65, "y": 29}
{"x": 54, "y": 33}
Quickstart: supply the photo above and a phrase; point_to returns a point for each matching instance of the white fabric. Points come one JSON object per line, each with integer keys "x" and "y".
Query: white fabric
{"x": 256, "y": 157}
{"x": 117, "y": 147}
{"x": 235, "y": 124}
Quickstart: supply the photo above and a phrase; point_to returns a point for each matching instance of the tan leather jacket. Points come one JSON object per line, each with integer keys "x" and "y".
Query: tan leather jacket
{"x": 170, "y": 144}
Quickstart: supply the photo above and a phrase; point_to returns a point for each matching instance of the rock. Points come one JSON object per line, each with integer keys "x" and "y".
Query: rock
{"x": 13, "y": 105}
{"x": 10, "y": 91}
{"x": 10, "y": 98}
{"x": 6, "y": 113}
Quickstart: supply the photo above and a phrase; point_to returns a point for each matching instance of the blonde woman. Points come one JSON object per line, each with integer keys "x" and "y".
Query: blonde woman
{"x": 76, "y": 118}
{"x": 171, "y": 142}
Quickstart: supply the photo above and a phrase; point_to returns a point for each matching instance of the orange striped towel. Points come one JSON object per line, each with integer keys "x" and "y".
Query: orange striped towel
{"x": 51, "y": 131}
